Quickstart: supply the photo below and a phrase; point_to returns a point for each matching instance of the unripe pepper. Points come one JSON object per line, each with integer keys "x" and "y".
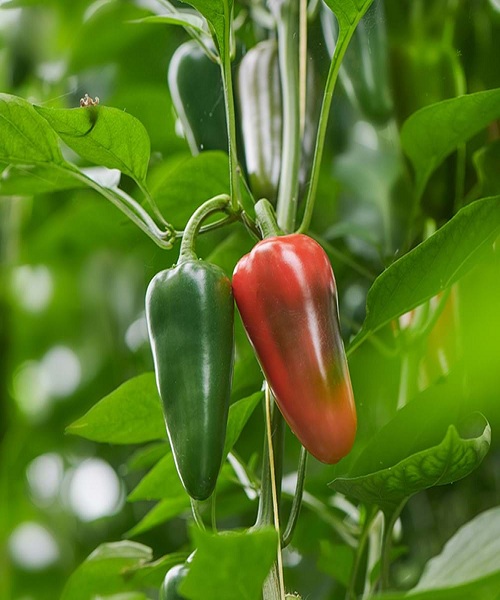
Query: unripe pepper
{"x": 286, "y": 294}
{"x": 189, "y": 310}
{"x": 195, "y": 84}
{"x": 170, "y": 586}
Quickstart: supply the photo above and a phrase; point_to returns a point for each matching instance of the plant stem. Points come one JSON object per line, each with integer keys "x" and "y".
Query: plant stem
{"x": 266, "y": 219}
{"x": 340, "y": 49}
{"x": 297, "y": 499}
{"x": 217, "y": 204}
{"x": 130, "y": 207}
{"x": 287, "y": 17}
{"x": 274, "y": 491}
{"x": 351, "y": 590}
{"x": 265, "y": 514}
{"x": 230, "y": 110}
{"x": 195, "y": 509}
{"x": 389, "y": 522}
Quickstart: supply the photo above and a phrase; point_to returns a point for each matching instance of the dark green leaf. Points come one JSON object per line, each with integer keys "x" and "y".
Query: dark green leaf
{"x": 230, "y": 565}
{"x": 420, "y": 448}
{"x": 25, "y": 137}
{"x": 102, "y": 572}
{"x": 432, "y": 266}
{"x": 103, "y": 135}
{"x": 433, "y": 132}
{"x": 131, "y": 414}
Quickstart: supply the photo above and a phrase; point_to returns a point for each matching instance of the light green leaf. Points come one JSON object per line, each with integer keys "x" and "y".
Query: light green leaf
{"x": 348, "y": 12}
{"x": 183, "y": 19}
{"x": 217, "y": 13}
{"x": 432, "y": 266}
{"x": 433, "y": 132}
{"x": 124, "y": 596}
{"x": 230, "y": 565}
{"x": 472, "y": 553}
{"x": 467, "y": 568}
{"x": 102, "y": 573}
{"x": 152, "y": 574}
{"x": 146, "y": 457}
{"x": 25, "y": 138}
{"x": 131, "y": 414}
{"x": 29, "y": 180}
{"x": 161, "y": 513}
{"x": 420, "y": 448}
{"x": 103, "y": 135}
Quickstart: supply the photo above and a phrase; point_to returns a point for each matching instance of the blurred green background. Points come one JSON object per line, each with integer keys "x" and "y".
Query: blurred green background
{"x": 73, "y": 273}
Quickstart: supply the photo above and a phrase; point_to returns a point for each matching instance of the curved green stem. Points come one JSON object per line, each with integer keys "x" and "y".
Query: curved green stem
{"x": 217, "y": 204}
{"x": 130, "y": 207}
{"x": 287, "y": 17}
{"x": 195, "y": 509}
{"x": 338, "y": 55}
{"x": 266, "y": 219}
{"x": 297, "y": 499}
{"x": 230, "y": 110}
{"x": 389, "y": 522}
{"x": 360, "y": 548}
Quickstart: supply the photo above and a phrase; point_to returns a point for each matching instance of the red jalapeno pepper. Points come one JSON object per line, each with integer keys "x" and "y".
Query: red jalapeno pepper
{"x": 286, "y": 293}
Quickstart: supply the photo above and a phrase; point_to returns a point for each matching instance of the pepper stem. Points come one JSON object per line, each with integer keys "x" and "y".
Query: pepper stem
{"x": 266, "y": 219}
{"x": 216, "y": 204}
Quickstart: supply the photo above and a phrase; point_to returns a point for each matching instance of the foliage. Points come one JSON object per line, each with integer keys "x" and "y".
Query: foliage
{"x": 93, "y": 202}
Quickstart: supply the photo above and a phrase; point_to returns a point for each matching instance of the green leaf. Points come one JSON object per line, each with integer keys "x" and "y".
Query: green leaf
{"x": 487, "y": 164}
{"x": 239, "y": 413}
{"x": 217, "y": 13}
{"x": 103, "y": 135}
{"x": 125, "y": 596}
{"x": 230, "y": 565}
{"x": 162, "y": 482}
{"x": 103, "y": 571}
{"x": 467, "y": 568}
{"x": 146, "y": 457}
{"x": 433, "y": 132}
{"x": 29, "y": 180}
{"x": 420, "y": 448}
{"x": 183, "y": 19}
{"x": 161, "y": 513}
{"x": 25, "y": 137}
{"x": 432, "y": 266}
{"x": 348, "y": 12}
{"x": 472, "y": 553}
{"x": 152, "y": 574}
{"x": 131, "y": 414}
{"x": 181, "y": 188}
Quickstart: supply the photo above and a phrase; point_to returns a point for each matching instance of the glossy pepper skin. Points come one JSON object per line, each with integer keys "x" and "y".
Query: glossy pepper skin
{"x": 189, "y": 311}
{"x": 286, "y": 294}
{"x": 202, "y": 115}
{"x": 170, "y": 586}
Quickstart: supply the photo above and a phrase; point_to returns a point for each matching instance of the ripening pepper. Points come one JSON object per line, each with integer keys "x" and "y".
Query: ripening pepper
{"x": 170, "y": 586}
{"x": 189, "y": 311}
{"x": 286, "y": 294}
